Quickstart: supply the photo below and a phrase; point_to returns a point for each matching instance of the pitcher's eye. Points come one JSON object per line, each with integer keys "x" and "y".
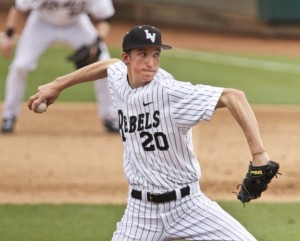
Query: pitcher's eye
{"x": 157, "y": 54}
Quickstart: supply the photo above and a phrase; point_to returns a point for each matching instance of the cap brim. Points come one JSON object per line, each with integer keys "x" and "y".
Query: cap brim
{"x": 163, "y": 46}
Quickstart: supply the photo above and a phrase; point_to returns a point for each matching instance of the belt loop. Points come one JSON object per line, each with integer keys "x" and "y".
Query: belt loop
{"x": 144, "y": 195}
{"x": 195, "y": 187}
{"x": 178, "y": 193}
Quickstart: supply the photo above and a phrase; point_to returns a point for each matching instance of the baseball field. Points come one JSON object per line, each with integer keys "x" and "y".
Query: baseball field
{"x": 61, "y": 175}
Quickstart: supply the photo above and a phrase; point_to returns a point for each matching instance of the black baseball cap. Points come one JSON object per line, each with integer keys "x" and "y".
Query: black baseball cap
{"x": 143, "y": 35}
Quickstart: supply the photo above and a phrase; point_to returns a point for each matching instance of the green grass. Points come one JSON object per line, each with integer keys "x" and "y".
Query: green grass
{"x": 52, "y": 64}
{"x": 266, "y": 221}
{"x": 261, "y": 86}
{"x": 58, "y": 222}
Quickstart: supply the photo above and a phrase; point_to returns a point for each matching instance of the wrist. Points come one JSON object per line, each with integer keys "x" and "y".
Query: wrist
{"x": 57, "y": 84}
{"x": 9, "y": 33}
{"x": 60, "y": 83}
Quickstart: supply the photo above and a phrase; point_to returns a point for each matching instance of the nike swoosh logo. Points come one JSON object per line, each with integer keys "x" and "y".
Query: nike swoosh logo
{"x": 145, "y": 104}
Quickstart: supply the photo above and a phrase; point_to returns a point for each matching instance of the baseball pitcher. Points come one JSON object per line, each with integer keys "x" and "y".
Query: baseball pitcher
{"x": 156, "y": 116}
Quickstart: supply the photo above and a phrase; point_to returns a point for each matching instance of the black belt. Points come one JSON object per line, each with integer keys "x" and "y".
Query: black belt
{"x": 161, "y": 197}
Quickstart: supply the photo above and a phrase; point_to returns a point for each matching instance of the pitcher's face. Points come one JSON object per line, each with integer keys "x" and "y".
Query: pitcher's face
{"x": 142, "y": 64}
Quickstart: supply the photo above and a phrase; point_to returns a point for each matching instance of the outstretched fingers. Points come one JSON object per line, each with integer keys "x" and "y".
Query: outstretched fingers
{"x": 35, "y": 100}
{"x": 46, "y": 93}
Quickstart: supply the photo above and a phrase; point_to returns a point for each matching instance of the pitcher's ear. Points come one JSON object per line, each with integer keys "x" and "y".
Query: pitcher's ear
{"x": 125, "y": 57}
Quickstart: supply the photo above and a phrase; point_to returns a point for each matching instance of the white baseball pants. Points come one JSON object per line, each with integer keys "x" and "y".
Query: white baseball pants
{"x": 194, "y": 217}
{"x": 36, "y": 37}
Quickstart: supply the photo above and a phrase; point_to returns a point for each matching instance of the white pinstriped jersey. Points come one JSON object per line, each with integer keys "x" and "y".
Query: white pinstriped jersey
{"x": 155, "y": 122}
{"x": 65, "y": 12}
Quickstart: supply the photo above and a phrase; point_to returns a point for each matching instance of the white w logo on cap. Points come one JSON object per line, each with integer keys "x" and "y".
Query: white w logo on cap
{"x": 150, "y": 36}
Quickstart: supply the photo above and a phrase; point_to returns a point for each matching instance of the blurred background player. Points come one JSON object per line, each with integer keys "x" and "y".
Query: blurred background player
{"x": 74, "y": 22}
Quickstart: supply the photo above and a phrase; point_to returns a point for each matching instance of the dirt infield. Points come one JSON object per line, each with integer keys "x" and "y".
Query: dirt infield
{"x": 65, "y": 155}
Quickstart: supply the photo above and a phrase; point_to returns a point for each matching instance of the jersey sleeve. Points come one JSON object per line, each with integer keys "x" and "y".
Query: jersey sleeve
{"x": 116, "y": 70}
{"x": 116, "y": 73}
{"x": 101, "y": 9}
{"x": 192, "y": 103}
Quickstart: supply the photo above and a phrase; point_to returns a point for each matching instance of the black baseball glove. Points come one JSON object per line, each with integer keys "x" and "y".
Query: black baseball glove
{"x": 85, "y": 55}
{"x": 256, "y": 181}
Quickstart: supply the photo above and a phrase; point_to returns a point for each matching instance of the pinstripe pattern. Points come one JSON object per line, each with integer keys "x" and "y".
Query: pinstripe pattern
{"x": 174, "y": 108}
{"x": 155, "y": 124}
{"x": 194, "y": 217}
